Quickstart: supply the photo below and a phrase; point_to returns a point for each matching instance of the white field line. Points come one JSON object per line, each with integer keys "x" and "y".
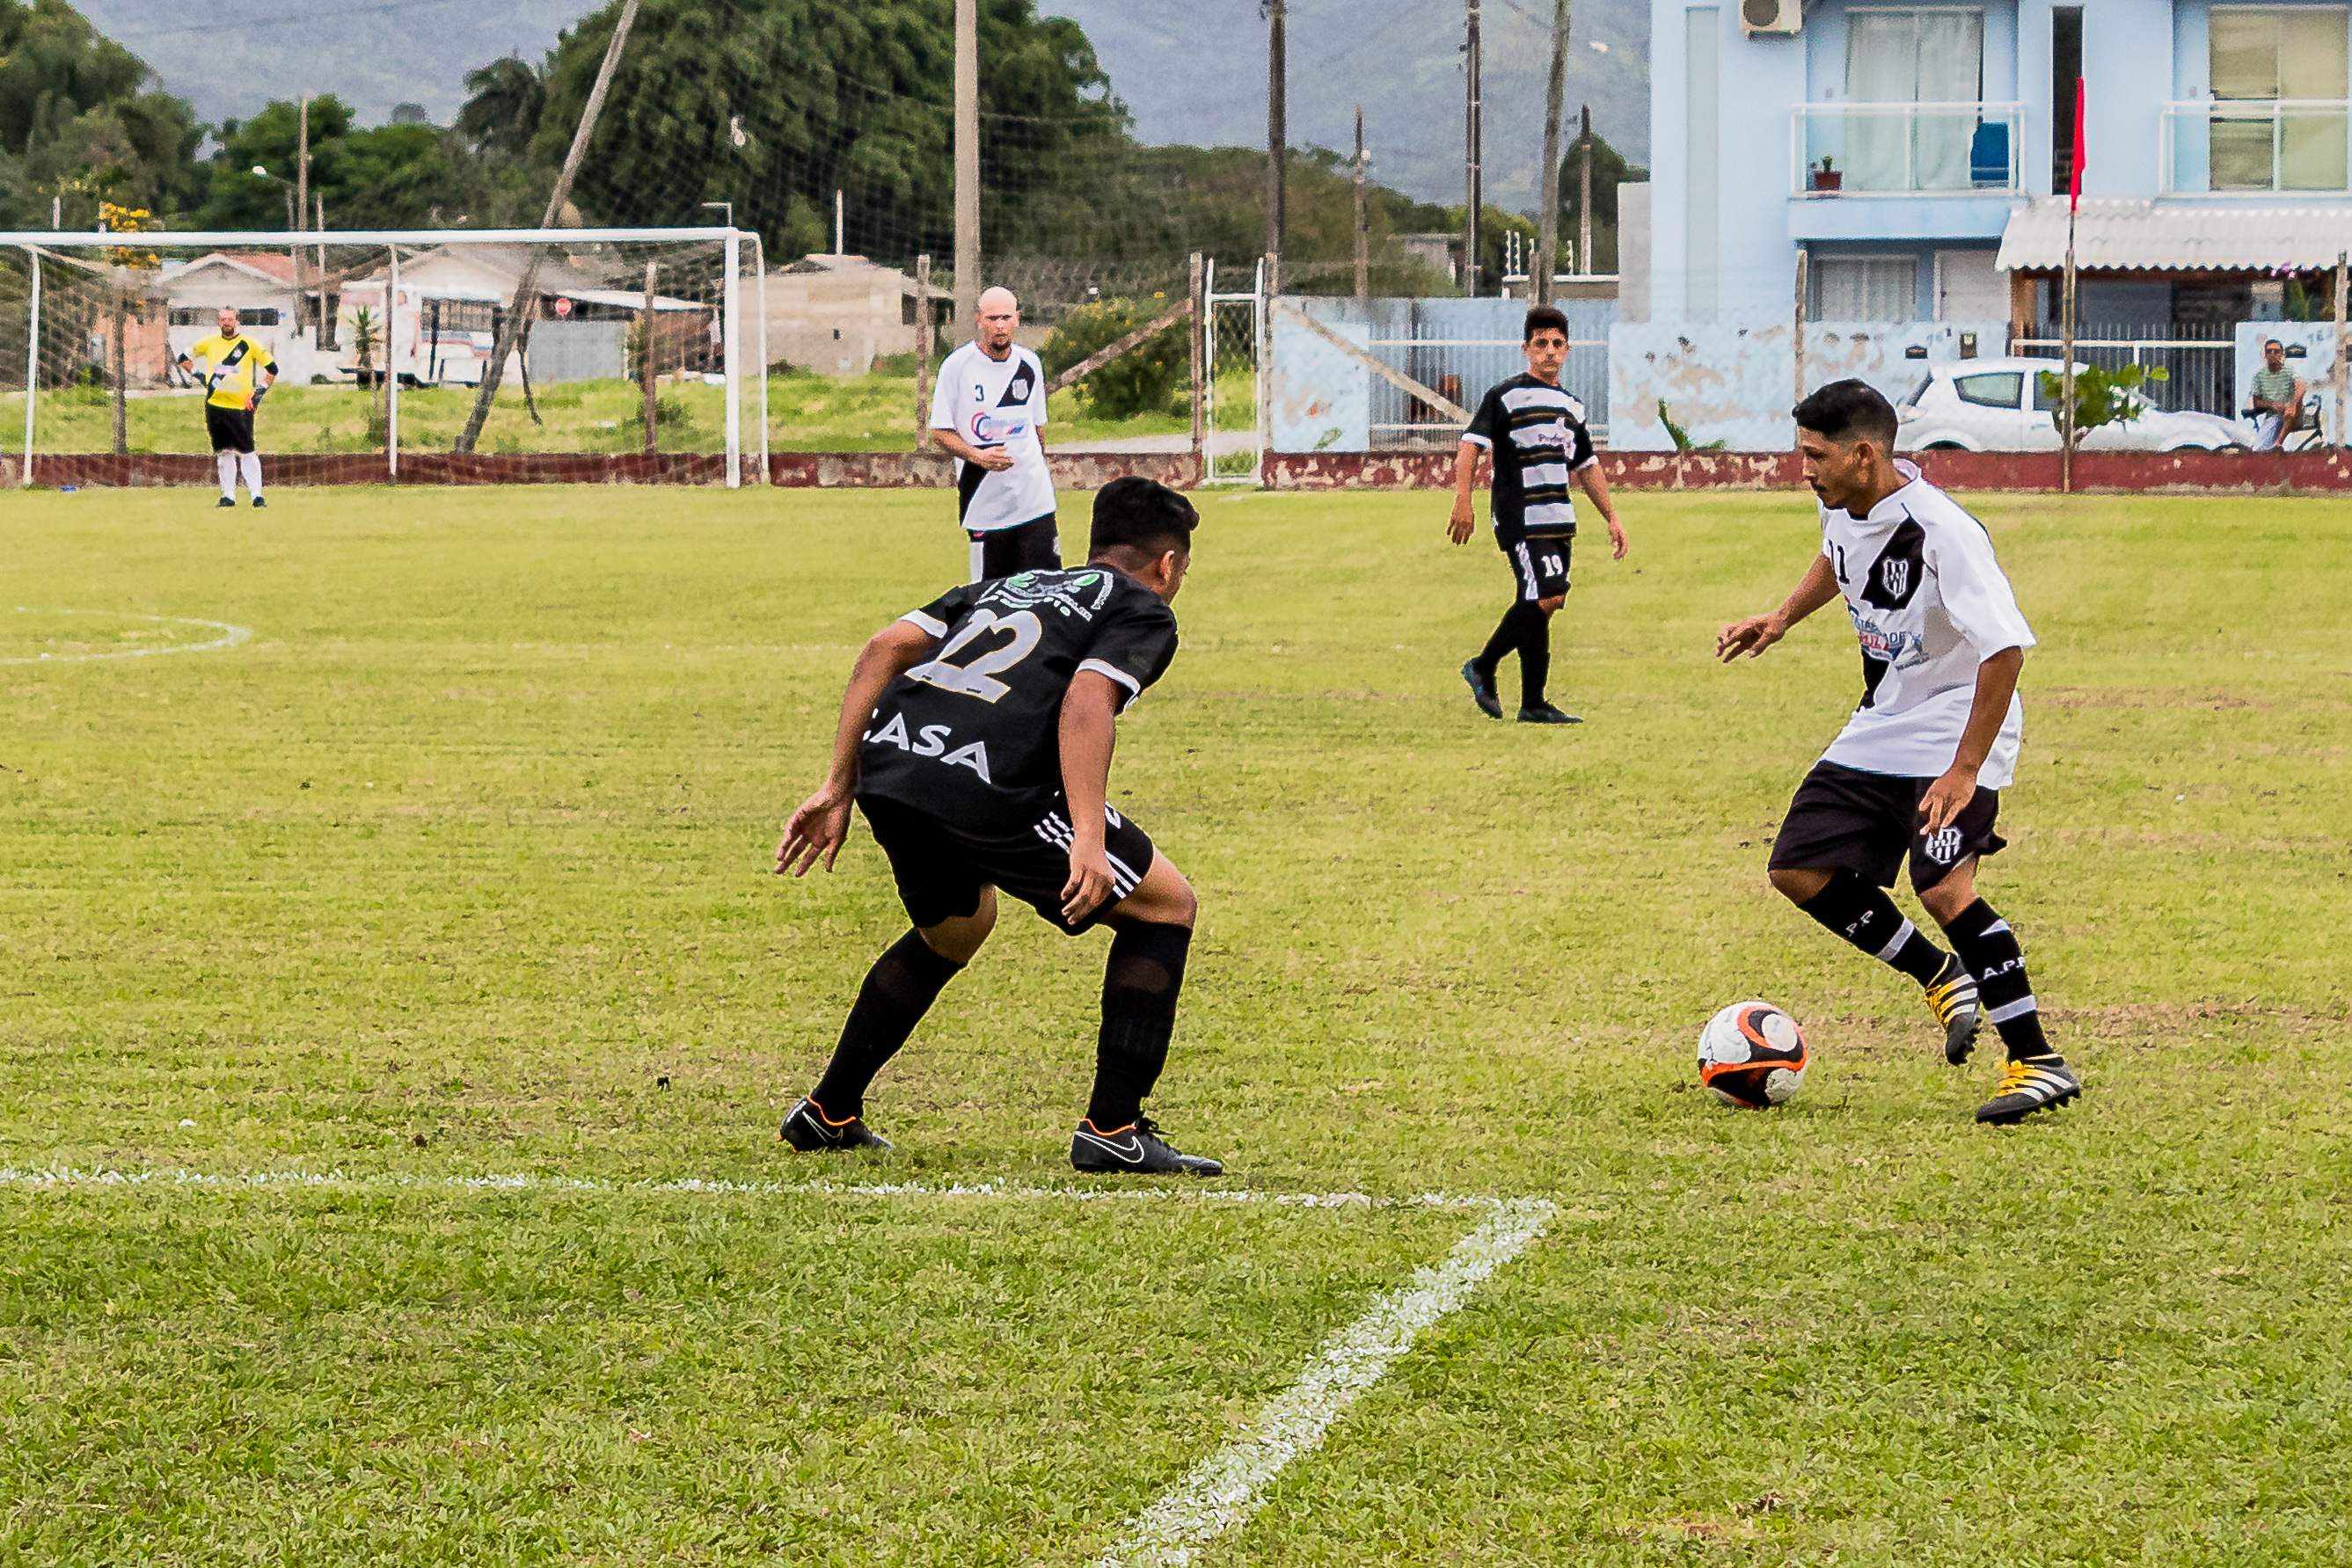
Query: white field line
{"x": 1224, "y": 1489}
{"x": 230, "y": 637}
{"x": 1227, "y": 1487}
{"x": 401, "y": 1181}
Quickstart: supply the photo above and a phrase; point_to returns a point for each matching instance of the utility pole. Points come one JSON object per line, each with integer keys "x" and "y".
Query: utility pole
{"x": 1474, "y": 116}
{"x": 1363, "y": 226}
{"x": 301, "y": 202}
{"x": 1584, "y": 197}
{"x": 1278, "y": 137}
{"x": 1547, "y": 231}
{"x": 516, "y": 327}
{"x": 967, "y": 168}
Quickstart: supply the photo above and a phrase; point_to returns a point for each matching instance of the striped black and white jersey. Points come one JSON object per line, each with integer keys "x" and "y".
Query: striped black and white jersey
{"x": 972, "y": 738}
{"x": 1536, "y": 432}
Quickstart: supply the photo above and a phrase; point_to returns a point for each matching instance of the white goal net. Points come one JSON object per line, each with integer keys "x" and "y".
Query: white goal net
{"x": 615, "y": 342}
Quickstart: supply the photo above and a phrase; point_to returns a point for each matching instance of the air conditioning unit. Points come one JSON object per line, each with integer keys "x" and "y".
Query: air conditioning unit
{"x": 1771, "y": 17}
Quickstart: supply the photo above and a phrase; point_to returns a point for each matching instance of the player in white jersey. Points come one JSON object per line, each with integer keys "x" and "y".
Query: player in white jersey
{"x": 987, "y": 410}
{"x": 1918, "y": 771}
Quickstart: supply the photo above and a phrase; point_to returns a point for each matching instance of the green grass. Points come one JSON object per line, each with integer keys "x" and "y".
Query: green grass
{"x": 446, "y": 869}
{"x": 807, "y": 413}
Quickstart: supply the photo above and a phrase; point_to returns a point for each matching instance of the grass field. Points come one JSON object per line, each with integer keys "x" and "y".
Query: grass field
{"x": 807, "y": 413}
{"x": 457, "y": 867}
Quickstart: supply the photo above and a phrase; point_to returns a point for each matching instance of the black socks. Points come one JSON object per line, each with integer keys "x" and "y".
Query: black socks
{"x": 899, "y": 990}
{"x": 1145, "y": 971}
{"x": 1989, "y": 948}
{"x": 1858, "y": 910}
{"x": 1524, "y": 630}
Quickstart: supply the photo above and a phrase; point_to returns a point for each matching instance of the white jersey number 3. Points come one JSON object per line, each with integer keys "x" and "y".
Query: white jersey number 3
{"x": 977, "y": 679}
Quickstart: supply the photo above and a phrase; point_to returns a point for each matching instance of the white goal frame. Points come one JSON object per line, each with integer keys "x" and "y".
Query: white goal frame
{"x": 37, "y": 243}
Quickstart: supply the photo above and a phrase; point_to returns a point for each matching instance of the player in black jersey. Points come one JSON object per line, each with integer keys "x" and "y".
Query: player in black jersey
{"x": 976, "y": 737}
{"x": 1536, "y": 432}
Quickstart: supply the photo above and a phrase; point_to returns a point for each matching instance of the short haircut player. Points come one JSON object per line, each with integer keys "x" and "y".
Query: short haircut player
{"x": 975, "y": 737}
{"x": 1916, "y": 775}
{"x": 238, "y": 372}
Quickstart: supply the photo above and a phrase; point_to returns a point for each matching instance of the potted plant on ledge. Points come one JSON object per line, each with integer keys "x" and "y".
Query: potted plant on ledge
{"x": 1828, "y": 176}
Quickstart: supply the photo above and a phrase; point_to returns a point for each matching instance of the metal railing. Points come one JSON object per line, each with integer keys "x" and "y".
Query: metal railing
{"x": 2219, "y": 145}
{"x": 2200, "y": 359}
{"x": 1904, "y": 149}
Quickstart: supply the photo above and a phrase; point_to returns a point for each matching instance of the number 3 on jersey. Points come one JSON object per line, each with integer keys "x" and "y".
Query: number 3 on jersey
{"x": 977, "y": 679}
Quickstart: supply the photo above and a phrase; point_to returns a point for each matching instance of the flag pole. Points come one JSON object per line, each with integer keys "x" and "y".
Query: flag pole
{"x": 2066, "y": 310}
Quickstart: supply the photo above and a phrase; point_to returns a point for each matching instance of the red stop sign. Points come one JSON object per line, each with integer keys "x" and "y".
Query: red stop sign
{"x": 564, "y": 306}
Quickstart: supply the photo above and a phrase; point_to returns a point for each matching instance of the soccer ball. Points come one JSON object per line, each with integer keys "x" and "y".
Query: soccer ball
{"x": 1751, "y": 1055}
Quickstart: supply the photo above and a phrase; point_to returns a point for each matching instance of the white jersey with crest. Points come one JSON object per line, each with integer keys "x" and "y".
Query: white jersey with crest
{"x": 1929, "y": 604}
{"x": 996, "y": 403}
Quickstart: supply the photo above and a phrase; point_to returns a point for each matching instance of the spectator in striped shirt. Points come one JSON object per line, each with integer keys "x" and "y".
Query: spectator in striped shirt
{"x": 2277, "y": 398}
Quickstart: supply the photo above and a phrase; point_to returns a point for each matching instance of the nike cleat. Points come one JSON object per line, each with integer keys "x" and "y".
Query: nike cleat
{"x": 1952, "y": 998}
{"x": 1544, "y": 713}
{"x": 2033, "y": 1084}
{"x": 229, "y": 501}
{"x": 1135, "y": 1150}
{"x": 1482, "y": 690}
{"x": 811, "y": 1132}
{"x": 259, "y": 502}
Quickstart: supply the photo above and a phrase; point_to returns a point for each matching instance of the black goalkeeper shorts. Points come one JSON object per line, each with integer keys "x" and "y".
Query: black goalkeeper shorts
{"x": 941, "y": 868}
{"x": 1869, "y": 822}
{"x": 230, "y": 428}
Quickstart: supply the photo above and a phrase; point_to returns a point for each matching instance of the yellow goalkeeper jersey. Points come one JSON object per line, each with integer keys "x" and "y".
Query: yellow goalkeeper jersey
{"x": 229, "y": 367}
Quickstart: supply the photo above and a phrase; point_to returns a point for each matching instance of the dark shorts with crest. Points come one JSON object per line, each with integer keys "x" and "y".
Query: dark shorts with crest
{"x": 1541, "y": 567}
{"x": 1869, "y": 824}
{"x": 1032, "y": 546}
{"x": 940, "y": 868}
{"x": 230, "y": 428}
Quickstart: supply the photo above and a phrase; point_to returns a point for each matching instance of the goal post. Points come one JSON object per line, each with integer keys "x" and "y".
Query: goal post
{"x": 637, "y": 343}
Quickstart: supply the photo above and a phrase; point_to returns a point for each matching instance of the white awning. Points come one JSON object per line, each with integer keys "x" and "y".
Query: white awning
{"x": 2113, "y": 235}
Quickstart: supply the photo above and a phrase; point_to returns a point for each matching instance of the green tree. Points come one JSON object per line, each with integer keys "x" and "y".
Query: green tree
{"x": 1144, "y": 380}
{"x": 1610, "y": 169}
{"x": 387, "y": 176}
{"x": 82, "y": 118}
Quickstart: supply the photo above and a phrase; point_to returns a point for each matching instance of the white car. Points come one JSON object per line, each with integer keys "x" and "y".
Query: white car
{"x": 1998, "y": 405}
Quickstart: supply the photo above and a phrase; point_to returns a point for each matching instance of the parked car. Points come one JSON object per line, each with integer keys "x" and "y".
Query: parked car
{"x": 1998, "y": 405}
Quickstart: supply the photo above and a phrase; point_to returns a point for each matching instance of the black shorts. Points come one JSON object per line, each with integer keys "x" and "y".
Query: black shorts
{"x": 1541, "y": 567}
{"x": 940, "y": 868}
{"x": 1032, "y": 546}
{"x": 230, "y": 428}
{"x": 1867, "y": 822}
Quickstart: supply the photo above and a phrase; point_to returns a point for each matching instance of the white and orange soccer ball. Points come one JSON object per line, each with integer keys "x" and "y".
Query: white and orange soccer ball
{"x": 1751, "y": 1055}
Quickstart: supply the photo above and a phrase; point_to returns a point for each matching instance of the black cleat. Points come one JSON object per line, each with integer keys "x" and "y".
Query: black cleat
{"x": 1482, "y": 690}
{"x": 1952, "y": 998}
{"x": 1544, "y": 713}
{"x": 811, "y": 1132}
{"x": 2033, "y": 1084}
{"x": 224, "y": 501}
{"x": 1135, "y": 1150}
{"x": 259, "y": 502}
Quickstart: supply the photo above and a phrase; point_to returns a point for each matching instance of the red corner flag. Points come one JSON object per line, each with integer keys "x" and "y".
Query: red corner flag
{"x": 2075, "y": 194}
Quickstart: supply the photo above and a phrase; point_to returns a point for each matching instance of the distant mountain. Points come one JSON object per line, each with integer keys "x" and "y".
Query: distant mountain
{"x": 1192, "y": 70}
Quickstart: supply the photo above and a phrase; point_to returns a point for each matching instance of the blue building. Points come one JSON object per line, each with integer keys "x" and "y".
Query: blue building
{"x": 1899, "y": 146}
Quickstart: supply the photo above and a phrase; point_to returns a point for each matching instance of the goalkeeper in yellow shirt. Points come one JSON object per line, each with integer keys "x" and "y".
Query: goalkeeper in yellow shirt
{"x": 237, "y": 370}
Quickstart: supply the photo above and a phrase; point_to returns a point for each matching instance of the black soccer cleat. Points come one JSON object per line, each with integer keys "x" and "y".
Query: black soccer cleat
{"x": 2026, "y": 1085}
{"x": 259, "y": 502}
{"x": 1544, "y": 713}
{"x": 1482, "y": 690}
{"x": 808, "y": 1130}
{"x": 225, "y": 501}
{"x": 1952, "y": 998}
{"x": 1135, "y": 1150}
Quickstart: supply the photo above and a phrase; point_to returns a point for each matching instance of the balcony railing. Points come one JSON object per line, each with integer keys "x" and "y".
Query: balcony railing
{"x": 2222, "y": 145}
{"x": 1904, "y": 149}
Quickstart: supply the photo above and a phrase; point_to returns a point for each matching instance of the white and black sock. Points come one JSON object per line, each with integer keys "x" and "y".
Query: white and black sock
{"x": 225, "y": 461}
{"x": 1858, "y": 911}
{"x": 251, "y": 462}
{"x": 1989, "y": 948}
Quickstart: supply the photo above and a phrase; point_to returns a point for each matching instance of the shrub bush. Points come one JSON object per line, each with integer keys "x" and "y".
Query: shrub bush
{"x": 1151, "y": 378}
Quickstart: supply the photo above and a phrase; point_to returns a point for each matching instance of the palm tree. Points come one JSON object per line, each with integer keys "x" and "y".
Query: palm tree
{"x": 367, "y": 336}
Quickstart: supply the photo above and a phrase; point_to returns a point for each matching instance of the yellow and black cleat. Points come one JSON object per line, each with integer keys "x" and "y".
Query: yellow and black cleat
{"x": 2029, "y": 1084}
{"x": 1952, "y": 998}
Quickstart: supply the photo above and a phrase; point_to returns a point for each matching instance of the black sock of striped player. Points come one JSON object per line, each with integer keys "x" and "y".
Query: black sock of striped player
{"x": 1535, "y": 660}
{"x": 1858, "y": 910}
{"x": 1510, "y": 636}
{"x": 1989, "y": 948}
{"x": 1139, "y": 1018}
{"x": 899, "y": 990}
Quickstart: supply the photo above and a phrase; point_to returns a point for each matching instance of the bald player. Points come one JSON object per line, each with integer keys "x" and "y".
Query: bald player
{"x": 987, "y": 410}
